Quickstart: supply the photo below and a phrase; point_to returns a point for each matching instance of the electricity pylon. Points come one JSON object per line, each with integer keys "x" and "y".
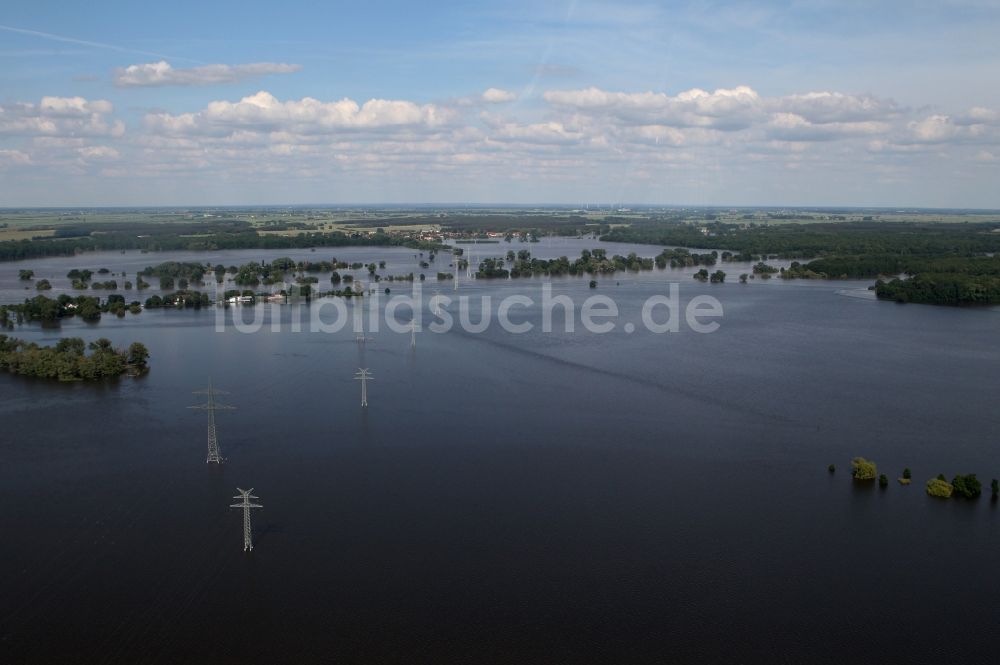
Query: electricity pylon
{"x": 212, "y": 406}
{"x": 245, "y": 496}
{"x": 413, "y": 334}
{"x": 364, "y": 377}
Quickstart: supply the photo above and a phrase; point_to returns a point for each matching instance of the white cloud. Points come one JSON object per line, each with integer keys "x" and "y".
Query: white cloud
{"x": 498, "y": 96}
{"x": 14, "y": 158}
{"x": 542, "y": 133}
{"x": 657, "y": 135}
{"x": 830, "y": 107}
{"x": 979, "y": 116}
{"x": 98, "y": 152}
{"x": 933, "y": 129}
{"x": 584, "y": 140}
{"x": 794, "y": 127}
{"x": 264, "y": 112}
{"x": 726, "y": 109}
{"x": 60, "y": 116}
{"x": 73, "y": 106}
{"x": 978, "y": 126}
{"x": 808, "y": 116}
{"x": 162, "y": 73}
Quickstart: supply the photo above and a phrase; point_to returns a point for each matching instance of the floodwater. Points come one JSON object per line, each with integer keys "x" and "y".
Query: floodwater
{"x": 537, "y": 497}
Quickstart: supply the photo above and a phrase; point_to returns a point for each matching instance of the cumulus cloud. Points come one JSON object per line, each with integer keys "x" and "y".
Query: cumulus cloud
{"x": 724, "y": 109}
{"x": 264, "y": 112}
{"x": 807, "y": 116}
{"x": 73, "y": 106}
{"x": 98, "y": 152}
{"x": 933, "y": 129}
{"x": 978, "y": 115}
{"x": 498, "y": 96}
{"x": 835, "y": 107}
{"x": 541, "y": 133}
{"x": 60, "y": 116}
{"x": 162, "y": 73}
{"x": 977, "y": 126}
{"x": 794, "y": 127}
{"x": 14, "y": 158}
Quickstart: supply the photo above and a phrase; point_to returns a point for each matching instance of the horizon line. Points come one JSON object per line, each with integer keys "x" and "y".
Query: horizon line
{"x": 459, "y": 205}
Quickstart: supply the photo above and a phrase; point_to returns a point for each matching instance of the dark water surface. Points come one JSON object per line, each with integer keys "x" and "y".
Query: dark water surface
{"x": 566, "y": 497}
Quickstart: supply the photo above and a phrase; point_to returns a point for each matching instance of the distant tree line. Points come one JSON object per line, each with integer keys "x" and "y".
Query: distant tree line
{"x": 524, "y": 224}
{"x": 69, "y": 241}
{"x": 792, "y": 241}
{"x": 956, "y": 264}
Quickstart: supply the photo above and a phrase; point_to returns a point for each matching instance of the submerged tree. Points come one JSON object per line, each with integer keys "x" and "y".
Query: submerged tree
{"x": 939, "y": 487}
{"x": 137, "y": 355}
{"x": 862, "y": 469}
{"x": 967, "y": 486}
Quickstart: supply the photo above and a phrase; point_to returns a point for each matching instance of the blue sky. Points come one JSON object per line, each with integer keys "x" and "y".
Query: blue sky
{"x": 765, "y": 103}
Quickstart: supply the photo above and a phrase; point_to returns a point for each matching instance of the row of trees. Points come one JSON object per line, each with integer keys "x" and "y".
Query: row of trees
{"x": 179, "y": 300}
{"x": 80, "y": 280}
{"x": 254, "y": 274}
{"x": 591, "y": 262}
{"x": 47, "y": 310}
{"x": 683, "y": 258}
{"x": 68, "y": 360}
{"x": 175, "y": 270}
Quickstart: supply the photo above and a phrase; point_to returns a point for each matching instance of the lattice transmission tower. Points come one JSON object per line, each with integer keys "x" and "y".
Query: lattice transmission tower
{"x": 212, "y": 406}
{"x": 246, "y": 505}
{"x": 437, "y": 304}
{"x": 364, "y": 376}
